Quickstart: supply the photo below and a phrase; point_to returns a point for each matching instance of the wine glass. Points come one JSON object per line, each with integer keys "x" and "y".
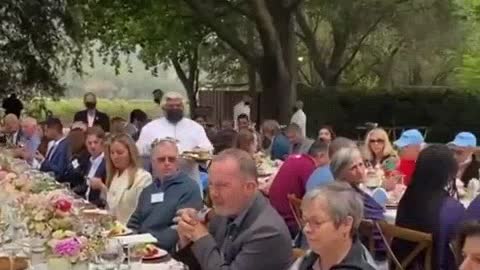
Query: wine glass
{"x": 112, "y": 255}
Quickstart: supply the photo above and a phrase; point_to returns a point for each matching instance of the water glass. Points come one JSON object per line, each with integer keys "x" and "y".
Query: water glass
{"x": 135, "y": 257}
{"x": 112, "y": 255}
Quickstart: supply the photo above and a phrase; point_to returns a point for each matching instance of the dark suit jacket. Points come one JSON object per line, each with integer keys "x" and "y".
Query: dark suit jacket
{"x": 58, "y": 161}
{"x": 101, "y": 119}
{"x": 259, "y": 240}
{"x": 77, "y": 178}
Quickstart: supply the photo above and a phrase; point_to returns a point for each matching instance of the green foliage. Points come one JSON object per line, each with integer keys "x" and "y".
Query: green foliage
{"x": 446, "y": 111}
{"x": 38, "y": 40}
{"x": 66, "y": 108}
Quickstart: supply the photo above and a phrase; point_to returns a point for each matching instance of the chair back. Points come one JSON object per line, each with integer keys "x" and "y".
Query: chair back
{"x": 422, "y": 240}
{"x": 366, "y": 230}
{"x": 295, "y": 205}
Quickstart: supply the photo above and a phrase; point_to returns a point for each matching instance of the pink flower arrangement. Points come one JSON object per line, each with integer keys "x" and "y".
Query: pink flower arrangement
{"x": 69, "y": 247}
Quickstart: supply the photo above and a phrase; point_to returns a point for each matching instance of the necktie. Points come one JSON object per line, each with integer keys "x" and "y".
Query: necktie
{"x": 227, "y": 243}
{"x": 50, "y": 151}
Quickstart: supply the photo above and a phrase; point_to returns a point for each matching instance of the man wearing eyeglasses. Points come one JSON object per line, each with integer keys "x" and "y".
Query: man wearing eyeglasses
{"x": 170, "y": 191}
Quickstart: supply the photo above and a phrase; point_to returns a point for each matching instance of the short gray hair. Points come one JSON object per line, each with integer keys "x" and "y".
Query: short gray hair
{"x": 245, "y": 161}
{"x": 342, "y": 159}
{"x": 342, "y": 202}
{"x": 339, "y": 143}
{"x": 162, "y": 142}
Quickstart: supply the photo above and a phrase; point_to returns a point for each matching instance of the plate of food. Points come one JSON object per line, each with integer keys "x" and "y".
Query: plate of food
{"x": 152, "y": 252}
{"x": 118, "y": 229}
{"x": 197, "y": 155}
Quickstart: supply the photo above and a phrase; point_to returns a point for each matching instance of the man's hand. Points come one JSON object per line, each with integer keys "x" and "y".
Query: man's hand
{"x": 189, "y": 228}
{"x": 39, "y": 157}
{"x": 97, "y": 184}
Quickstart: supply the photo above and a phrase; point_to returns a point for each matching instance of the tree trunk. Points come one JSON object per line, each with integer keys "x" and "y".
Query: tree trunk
{"x": 275, "y": 97}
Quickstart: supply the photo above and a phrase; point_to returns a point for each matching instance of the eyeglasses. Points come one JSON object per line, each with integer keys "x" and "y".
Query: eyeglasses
{"x": 377, "y": 141}
{"x": 165, "y": 159}
{"x": 314, "y": 225}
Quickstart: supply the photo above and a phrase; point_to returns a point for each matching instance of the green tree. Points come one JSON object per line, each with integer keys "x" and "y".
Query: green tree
{"x": 38, "y": 39}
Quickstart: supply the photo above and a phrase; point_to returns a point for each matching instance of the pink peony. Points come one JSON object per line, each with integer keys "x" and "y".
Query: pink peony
{"x": 63, "y": 205}
{"x": 69, "y": 247}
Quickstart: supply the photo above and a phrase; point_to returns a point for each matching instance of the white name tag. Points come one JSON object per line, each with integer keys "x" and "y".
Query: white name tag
{"x": 75, "y": 164}
{"x": 157, "y": 197}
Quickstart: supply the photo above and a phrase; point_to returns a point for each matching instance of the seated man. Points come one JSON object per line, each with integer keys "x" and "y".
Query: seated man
{"x": 292, "y": 178}
{"x": 245, "y": 233}
{"x": 299, "y": 144}
{"x": 30, "y": 140}
{"x": 171, "y": 190}
{"x": 58, "y": 153}
{"x": 410, "y": 145}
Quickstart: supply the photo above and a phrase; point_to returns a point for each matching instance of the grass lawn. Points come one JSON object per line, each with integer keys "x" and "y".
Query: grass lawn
{"x": 66, "y": 108}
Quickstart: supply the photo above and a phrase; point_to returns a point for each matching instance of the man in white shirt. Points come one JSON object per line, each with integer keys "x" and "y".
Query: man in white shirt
{"x": 188, "y": 133}
{"x": 243, "y": 107}
{"x": 299, "y": 117}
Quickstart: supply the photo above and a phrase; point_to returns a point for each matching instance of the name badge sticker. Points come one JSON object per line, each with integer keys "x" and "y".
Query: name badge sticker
{"x": 75, "y": 164}
{"x": 157, "y": 197}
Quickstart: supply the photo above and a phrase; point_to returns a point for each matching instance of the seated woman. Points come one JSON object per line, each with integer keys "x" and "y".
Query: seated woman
{"x": 347, "y": 166}
{"x": 332, "y": 215}
{"x": 326, "y": 134}
{"x": 468, "y": 242}
{"x": 428, "y": 206}
{"x": 378, "y": 148}
{"x": 125, "y": 177}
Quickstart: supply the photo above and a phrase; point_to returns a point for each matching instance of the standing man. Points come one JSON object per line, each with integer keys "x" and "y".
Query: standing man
{"x": 299, "y": 117}
{"x": 12, "y": 105}
{"x": 91, "y": 116}
{"x": 188, "y": 133}
{"x": 157, "y": 95}
{"x": 242, "y": 107}
{"x": 245, "y": 232}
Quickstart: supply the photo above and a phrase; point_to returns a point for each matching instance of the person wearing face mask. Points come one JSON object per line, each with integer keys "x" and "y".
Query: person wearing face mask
{"x": 188, "y": 133}
{"x": 91, "y": 116}
{"x": 242, "y": 107}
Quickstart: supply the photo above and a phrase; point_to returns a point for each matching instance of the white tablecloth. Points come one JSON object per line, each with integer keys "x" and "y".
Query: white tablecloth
{"x": 171, "y": 265}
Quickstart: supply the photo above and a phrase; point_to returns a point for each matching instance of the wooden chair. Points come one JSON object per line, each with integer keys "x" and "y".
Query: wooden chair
{"x": 297, "y": 253}
{"x": 366, "y": 230}
{"x": 295, "y": 205}
{"x": 423, "y": 243}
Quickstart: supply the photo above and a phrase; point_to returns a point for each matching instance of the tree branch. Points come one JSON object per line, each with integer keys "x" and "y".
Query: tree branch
{"x": 359, "y": 44}
{"x": 310, "y": 41}
{"x": 230, "y": 37}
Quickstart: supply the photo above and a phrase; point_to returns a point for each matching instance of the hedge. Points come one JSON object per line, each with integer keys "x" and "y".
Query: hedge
{"x": 445, "y": 111}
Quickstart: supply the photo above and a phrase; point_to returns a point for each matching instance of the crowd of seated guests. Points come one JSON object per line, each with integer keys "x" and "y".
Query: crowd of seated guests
{"x": 248, "y": 229}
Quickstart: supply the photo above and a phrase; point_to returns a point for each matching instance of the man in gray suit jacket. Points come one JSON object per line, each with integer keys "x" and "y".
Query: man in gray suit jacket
{"x": 245, "y": 233}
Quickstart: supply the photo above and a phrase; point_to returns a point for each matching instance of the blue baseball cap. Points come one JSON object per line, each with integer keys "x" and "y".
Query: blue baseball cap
{"x": 410, "y": 137}
{"x": 464, "y": 139}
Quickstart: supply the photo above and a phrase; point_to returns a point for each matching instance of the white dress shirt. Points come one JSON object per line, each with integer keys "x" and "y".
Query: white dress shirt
{"x": 240, "y": 108}
{"x": 300, "y": 118}
{"x": 188, "y": 133}
{"x": 95, "y": 163}
{"x": 90, "y": 118}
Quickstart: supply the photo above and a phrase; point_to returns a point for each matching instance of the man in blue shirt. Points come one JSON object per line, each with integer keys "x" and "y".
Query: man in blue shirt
{"x": 323, "y": 175}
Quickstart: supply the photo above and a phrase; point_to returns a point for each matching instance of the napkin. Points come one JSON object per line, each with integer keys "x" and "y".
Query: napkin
{"x": 136, "y": 239}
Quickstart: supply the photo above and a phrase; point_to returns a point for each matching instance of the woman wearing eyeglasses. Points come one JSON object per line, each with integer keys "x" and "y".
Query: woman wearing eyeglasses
{"x": 125, "y": 177}
{"x": 332, "y": 215}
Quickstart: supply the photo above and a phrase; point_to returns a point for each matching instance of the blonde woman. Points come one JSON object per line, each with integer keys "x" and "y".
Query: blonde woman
{"x": 378, "y": 147}
{"x": 125, "y": 177}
